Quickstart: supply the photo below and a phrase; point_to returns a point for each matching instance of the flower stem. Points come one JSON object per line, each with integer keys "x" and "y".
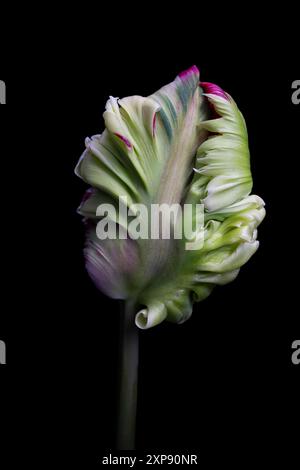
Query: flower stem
{"x": 129, "y": 357}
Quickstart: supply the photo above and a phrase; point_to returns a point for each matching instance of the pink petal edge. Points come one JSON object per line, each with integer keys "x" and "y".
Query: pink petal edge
{"x": 153, "y": 125}
{"x": 213, "y": 89}
{"x": 187, "y": 73}
{"x": 124, "y": 139}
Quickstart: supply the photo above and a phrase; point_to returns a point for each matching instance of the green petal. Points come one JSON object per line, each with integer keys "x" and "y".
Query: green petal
{"x": 224, "y": 158}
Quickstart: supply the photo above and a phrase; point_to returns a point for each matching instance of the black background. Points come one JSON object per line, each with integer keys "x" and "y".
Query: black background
{"x": 223, "y": 383}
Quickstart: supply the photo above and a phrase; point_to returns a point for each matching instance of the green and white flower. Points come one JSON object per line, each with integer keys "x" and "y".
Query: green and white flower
{"x": 185, "y": 144}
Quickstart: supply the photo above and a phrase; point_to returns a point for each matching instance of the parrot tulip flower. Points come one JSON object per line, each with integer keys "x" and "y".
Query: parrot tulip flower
{"x": 186, "y": 144}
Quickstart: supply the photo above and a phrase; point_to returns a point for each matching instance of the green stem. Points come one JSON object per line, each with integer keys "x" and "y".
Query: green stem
{"x": 129, "y": 356}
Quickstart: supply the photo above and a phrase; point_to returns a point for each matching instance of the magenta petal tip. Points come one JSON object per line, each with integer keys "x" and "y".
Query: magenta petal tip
{"x": 191, "y": 71}
{"x": 213, "y": 89}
